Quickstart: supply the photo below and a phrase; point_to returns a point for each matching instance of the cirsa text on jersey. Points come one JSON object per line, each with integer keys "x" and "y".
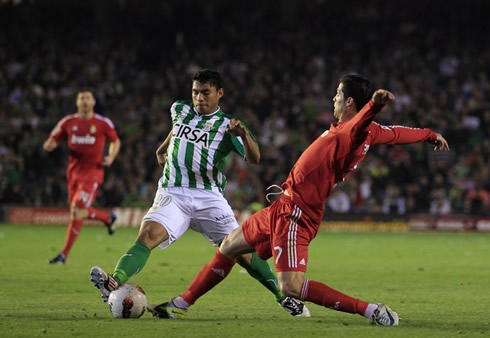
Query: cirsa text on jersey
{"x": 195, "y": 135}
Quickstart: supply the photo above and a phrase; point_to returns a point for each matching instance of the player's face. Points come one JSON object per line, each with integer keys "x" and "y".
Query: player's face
{"x": 205, "y": 97}
{"x": 85, "y": 102}
{"x": 339, "y": 102}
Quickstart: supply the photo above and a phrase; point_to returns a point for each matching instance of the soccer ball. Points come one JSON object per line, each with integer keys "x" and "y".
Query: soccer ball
{"x": 127, "y": 301}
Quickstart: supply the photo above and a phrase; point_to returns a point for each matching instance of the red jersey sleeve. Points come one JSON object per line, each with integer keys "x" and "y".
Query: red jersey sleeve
{"x": 59, "y": 132}
{"x": 360, "y": 123}
{"x": 110, "y": 130}
{"x": 399, "y": 134}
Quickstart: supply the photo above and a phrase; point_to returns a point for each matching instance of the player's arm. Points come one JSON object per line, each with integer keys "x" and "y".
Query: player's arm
{"x": 359, "y": 124}
{"x": 162, "y": 150}
{"x": 405, "y": 135}
{"x": 114, "y": 147}
{"x": 252, "y": 152}
{"x": 50, "y": 144}
{"x": 55, "y": 137}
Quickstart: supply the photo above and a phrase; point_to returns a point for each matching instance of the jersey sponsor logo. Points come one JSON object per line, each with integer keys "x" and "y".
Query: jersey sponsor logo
{"x": 225, "y": 219}
{"x": 87, "y": 139}
{"x": 197, "y": 136}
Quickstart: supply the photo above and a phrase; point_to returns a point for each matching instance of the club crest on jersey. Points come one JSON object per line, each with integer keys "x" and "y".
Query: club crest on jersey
{"x": 93, "y": 129}
{"x": 191, "y": 134}
{"x": 207, "y": 127}
{"x": 74, "y": 128}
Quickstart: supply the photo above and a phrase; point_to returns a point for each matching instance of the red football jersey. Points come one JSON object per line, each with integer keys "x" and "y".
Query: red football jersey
{"x": 337, "y": 152}
{"x": 86, "y": 141}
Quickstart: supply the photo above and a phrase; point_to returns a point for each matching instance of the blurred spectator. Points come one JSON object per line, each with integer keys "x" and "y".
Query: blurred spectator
{"x": 339, "y": 201}
{"x": 477, "y": 201}
{"x": 394, "y": 202}
{"x": 440, "y": 204}
{"x": 280, "y": 75}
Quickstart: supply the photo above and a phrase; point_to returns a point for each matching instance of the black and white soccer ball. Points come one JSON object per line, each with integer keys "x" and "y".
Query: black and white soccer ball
{"x": 127, "y": 301}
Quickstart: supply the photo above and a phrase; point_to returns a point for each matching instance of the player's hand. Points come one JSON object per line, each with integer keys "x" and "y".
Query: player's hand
{"x": 382, "y": 96}
{"x": 440, "y": 144}
{"x": 161, "y": 158}
{"x": 236, "y": 128}
{"x": 50, "y": 144}
{"x": 107, "y": 161}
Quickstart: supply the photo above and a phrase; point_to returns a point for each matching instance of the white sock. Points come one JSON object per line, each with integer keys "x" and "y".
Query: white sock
{"x": 180, "y": 302}
{"x": 370, "y": 310}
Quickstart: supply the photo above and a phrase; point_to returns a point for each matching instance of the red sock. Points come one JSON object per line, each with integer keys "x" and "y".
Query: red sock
{"x": 74, "y": 228}
{"x": 98, "y": 214}
{"x": 324, "y": 295}
{"x": 212, "y": 273}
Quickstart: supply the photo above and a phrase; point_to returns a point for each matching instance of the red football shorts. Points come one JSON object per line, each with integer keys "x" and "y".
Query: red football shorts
{"x": 282, "y": 231}
{"x": 82, "y": 193}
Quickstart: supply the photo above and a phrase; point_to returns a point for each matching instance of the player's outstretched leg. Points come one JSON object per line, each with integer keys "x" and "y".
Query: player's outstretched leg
{"x": 103, "y": 281}
{"x": 211, "y": 274}
{"x": 324, "y": 295}
{"x": 385, "y": 316}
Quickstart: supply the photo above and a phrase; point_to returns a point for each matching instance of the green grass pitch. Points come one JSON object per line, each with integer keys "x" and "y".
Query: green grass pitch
{"x": 438, "y": 282}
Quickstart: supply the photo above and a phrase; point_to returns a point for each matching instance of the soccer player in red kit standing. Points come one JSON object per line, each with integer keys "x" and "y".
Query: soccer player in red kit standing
{"x": 86, "y": 133}
{"x": 284, "y": 229}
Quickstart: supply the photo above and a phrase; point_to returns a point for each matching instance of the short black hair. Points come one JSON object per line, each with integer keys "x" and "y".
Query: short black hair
{"x": 359, "y": 88}
{"x": 86, "y": 89}
{"x": 213, "y": 77}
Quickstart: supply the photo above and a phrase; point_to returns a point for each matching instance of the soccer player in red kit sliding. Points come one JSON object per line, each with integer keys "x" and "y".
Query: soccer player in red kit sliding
{"x": 86, "y": 133}
{"x": 285, "y": 229}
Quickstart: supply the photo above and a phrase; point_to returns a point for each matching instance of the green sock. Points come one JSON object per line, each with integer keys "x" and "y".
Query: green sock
{"x": 131, "y": 263}
{"x": 260, "y": 270}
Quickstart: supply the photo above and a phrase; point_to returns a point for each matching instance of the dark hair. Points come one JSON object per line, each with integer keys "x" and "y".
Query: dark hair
{"x": 359, "y": 88}
{"x": 210, "y": 76}
{"x": 86, "y": 89}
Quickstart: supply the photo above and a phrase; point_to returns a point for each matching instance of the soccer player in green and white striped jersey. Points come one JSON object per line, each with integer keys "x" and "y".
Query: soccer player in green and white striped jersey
{"x": 199, "y": 145}
{"x": 190, "y": 191}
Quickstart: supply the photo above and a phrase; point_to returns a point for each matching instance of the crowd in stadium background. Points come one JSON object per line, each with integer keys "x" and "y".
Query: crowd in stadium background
{"x": 280, "y": 65}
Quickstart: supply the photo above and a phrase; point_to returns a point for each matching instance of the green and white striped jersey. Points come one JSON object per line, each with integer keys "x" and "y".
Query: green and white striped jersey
{"x": 199, "y": 148}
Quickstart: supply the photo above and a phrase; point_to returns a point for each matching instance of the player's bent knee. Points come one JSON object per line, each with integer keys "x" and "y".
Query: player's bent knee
{"x": 226, "y": 247}
{"x": 152, "y": 234}
{"x": 291, "y": 282}
{"x": 245, "y": 260}
{"x": 235, "y": 245}
{"x": 290, "y": 289}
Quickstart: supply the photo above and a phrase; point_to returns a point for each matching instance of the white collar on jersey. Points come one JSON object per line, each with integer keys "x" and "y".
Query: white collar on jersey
{"x": 199, "y": 114}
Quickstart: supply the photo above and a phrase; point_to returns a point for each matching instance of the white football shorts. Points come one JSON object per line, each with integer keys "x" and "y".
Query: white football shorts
{"x": 179, "y": 208}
